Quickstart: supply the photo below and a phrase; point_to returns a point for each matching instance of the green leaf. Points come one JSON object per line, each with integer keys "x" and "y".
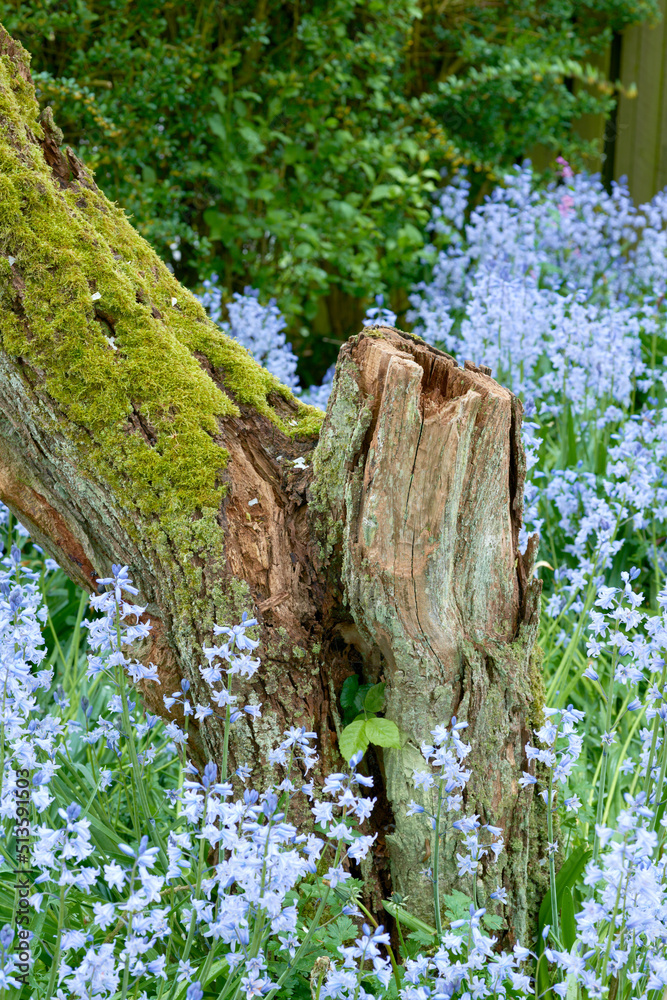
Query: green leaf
{"x": 348, "y": 691}
{"x": 398, "y": 173}
{"x": 410, "y": 235}
{"x": 421, "y": 938}
{"x": 219, "y": 98}
{"x": 601, "y": 455}
{"x": 353, "y": 739}
{"x": 374, "y": 700}
{"x": 407, "y": 919}
{"x": 410, "y": 147}
{"x": 568, "y": 454}
{"x": 457, "y": 905}
{"x": 567, "y": 921}
{"x": 216, "y": 126}
{"x": 360, "y": 697}
{"x": 566, "y": 878}
{"x": 383, "y": 733}
{"x": 304, "y": 250}
{"x": 249, "y": 136}
{"x": 572, "y": 987}
{"x": 383, "y": 191}
{"x": 343, "y": 929}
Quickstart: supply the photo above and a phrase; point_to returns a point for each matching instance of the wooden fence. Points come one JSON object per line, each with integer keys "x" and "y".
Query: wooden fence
{"x": 638, "y": 136}
{"x": 634, "y": 139}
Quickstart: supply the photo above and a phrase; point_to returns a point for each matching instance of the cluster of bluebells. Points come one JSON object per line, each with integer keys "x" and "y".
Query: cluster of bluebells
{"x": 621, "y": 919}
{"x": 560, "y": 749}
{"x": 446, "y": 755}
{"x": 219, "y": 864}
{"x": 600, "y": 515}
{"x": 467, "y": 964}
{"x": 236, "y": 652}
{"x": 29, "y": 740}
{"x": 629, "y": 645}
{"x": 540, "y": 282}
{"x": 622, "y": 924}
{"x": 21, "y": 677}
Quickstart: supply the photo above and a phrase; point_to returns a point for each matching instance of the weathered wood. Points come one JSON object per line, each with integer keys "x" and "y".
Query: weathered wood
{"x": 133, "y": 431}
{"x": 420, "y": 518}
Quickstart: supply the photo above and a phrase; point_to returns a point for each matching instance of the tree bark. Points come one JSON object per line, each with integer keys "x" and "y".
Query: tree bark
{"x": 133, "y": 431}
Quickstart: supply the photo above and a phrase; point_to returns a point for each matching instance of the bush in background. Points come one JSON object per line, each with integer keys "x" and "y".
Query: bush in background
{"x": 294, "y": 147}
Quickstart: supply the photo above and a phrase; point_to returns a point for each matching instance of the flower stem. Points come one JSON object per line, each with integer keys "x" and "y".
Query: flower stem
{"x": 436, "y": 868}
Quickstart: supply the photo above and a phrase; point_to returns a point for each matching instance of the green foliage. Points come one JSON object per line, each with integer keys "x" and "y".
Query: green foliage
{"x": 356, "y": 698}
{"x": 362, "y": 702}
{"x": 382, "y": 732}
{"x": 567, "y": 877}
{"x": 295, "y": 147}
{"x": 352, "y": 696}
{"x": 357, "y": 736}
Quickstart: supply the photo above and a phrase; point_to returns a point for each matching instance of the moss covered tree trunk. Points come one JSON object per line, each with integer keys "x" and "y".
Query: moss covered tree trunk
{"x": 133, "y": 431}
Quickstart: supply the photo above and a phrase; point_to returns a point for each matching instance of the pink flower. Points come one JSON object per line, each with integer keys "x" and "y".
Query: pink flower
{"x": 566, "y": 170}
{"x": 566, "y": 204}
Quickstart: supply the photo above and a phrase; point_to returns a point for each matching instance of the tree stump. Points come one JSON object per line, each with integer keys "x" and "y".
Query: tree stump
{"x": 133, "y": 431}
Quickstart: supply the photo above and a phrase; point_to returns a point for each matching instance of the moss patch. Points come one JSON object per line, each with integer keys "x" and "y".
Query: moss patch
{"x": 89, "y": 307}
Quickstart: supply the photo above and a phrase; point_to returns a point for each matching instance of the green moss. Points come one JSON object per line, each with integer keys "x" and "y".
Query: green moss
{"x": 89, "y": 306}
{"x": 377, "y": 331}
{"x": 309, "y": 422}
